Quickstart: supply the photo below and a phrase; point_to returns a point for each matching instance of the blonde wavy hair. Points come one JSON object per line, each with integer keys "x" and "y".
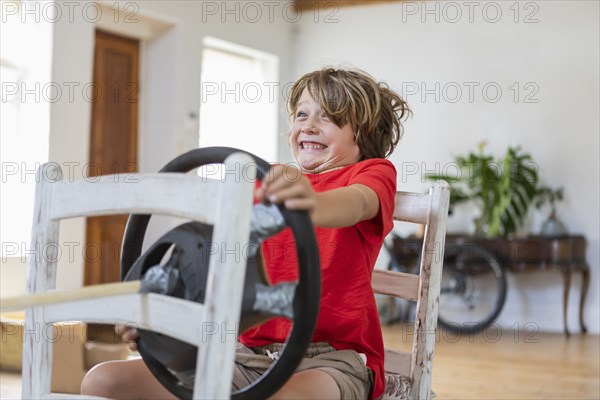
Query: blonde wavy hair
{"x": 373, "y": 110}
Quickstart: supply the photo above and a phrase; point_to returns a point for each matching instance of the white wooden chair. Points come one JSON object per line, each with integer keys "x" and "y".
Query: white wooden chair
{"x": 220, "y": 203}
{"x": 409, "y": 374}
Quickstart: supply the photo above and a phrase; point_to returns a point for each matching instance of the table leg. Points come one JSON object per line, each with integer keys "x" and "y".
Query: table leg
{"x": 567, "y": 287}
{"x": 585, "y": 276}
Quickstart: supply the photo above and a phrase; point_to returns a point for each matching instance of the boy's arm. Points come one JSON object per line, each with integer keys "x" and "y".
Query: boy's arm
{"x": 335, "y": 208}
{"x": 345, "y": 206}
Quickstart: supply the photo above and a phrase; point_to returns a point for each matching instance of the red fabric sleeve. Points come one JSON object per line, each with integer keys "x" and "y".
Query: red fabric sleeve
{"x": 380, "y": 176}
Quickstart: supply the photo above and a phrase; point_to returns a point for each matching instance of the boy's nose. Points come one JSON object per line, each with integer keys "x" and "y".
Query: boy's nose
{"x": 308, "y": 129}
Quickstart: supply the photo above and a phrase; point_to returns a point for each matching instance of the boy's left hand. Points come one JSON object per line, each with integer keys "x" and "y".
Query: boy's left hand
{"x": 286, "y": 184}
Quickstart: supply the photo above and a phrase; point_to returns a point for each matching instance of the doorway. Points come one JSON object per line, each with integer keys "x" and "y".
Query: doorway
{"x": 113, "y": 145}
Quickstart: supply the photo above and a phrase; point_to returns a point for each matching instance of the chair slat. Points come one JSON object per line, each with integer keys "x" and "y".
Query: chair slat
{"x": 397, "y": 362}
{"x": 412, "y": 207}
{"x": 137, "y": 193}
{"x": 398, "y": 284}
{"x": 133, "y": 309}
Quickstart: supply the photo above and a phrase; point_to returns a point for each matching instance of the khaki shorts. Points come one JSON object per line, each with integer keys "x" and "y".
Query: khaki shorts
{"x": 346, "y": 367}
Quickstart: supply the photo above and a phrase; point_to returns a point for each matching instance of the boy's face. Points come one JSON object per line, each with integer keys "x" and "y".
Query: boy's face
{"x": 317, "y": 143}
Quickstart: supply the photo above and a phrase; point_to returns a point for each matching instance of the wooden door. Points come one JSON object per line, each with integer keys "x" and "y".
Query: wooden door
{"x": 113, "y": 145}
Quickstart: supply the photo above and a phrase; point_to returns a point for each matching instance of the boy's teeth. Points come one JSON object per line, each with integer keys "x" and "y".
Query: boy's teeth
{"x": 312, "y": 146}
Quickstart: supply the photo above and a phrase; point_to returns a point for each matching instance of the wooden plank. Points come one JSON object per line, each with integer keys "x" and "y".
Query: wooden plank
{"x": 398, "y": 284}
{"x": 63, "y": 296}
{"x": 332, "y": 5}
{"x": 41, "y": 276}
{"x": 227, "y": 269}
{"x": 174, "y": 317}
{"x": 412, "y": 207}
{"x": 429, "y": 291}
{"x": 144, "y": 193}
{"x": 397, "y": 362}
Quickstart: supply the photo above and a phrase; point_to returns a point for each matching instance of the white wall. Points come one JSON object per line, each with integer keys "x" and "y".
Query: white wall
{"x": 172, "y": 34}
{"x": 558, "y": 55}
{"x": 399, "y": 44}
{"x": 29, "y": 90}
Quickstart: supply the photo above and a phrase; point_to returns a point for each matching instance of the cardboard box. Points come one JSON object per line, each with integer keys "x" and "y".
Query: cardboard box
{"x": 74, "y": 354}
{"x": 80, "y": 348}
{"x": 68, "y": 357}
{"x": 11, "y": 341}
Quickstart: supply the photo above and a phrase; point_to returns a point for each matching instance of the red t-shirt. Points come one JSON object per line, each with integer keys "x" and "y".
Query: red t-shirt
{"x": 348, "y": 317}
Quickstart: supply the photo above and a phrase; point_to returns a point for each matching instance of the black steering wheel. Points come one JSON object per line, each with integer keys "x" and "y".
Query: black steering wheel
{"x": 306, "y": 297}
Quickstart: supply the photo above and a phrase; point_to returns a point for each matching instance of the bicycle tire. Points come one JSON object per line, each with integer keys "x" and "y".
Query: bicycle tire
{"x": 473, "y": 289}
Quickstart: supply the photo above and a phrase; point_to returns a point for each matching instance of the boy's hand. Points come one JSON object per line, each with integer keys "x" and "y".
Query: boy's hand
{"x": 129, "y": 335}
{"x": 286, "y": 184}
{"x": 335, "y": 208}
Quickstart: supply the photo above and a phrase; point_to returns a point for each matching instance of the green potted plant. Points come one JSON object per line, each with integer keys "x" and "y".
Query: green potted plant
{"x": 502, "y": 189}
{"x": 552, "y": 226}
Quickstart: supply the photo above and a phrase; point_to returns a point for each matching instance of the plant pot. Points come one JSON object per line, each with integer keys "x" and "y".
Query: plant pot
{"x": 553, "y": 227}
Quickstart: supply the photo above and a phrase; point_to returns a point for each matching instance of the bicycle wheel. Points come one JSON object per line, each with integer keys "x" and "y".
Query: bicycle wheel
{"x": 473, "y": 289}
{"x": 392, "y": 309}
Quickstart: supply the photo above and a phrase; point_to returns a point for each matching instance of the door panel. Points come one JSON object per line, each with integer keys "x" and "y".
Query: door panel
{"x": 113, "y": 145}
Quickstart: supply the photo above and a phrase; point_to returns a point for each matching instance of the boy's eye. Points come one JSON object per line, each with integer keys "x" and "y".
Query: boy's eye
{"x": 324, "y": 116}
{"x": 300, "y": 114}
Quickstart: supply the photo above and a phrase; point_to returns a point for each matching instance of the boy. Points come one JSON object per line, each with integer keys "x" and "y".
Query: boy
{"x": 344, "y": 125}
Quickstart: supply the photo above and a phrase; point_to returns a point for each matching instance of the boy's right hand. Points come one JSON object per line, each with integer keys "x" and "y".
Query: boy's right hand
{"x": 286, "y": 184}
{"x": 129, "y": 335}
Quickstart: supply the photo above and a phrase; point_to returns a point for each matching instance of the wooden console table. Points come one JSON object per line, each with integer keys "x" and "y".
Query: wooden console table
{"x": 565, "y": 254}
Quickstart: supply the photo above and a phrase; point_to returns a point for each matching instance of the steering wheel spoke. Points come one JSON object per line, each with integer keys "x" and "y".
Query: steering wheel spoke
{"x": 276, "y": 300}
{"x": 266, "y": 220}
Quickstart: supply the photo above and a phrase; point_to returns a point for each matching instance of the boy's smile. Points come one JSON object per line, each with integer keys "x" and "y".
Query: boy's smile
{"x": 317, "y": 143}
{"x": 305, "y": 145}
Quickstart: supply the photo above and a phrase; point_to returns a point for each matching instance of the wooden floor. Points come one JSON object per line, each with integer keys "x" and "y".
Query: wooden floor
{"x": 509, "y": 364}
{"x": 496, "y": 365}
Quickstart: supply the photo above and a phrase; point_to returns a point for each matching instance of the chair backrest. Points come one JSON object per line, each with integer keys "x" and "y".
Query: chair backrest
{"x": 226, "y": 204}
{"x": 430, "y": 210}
